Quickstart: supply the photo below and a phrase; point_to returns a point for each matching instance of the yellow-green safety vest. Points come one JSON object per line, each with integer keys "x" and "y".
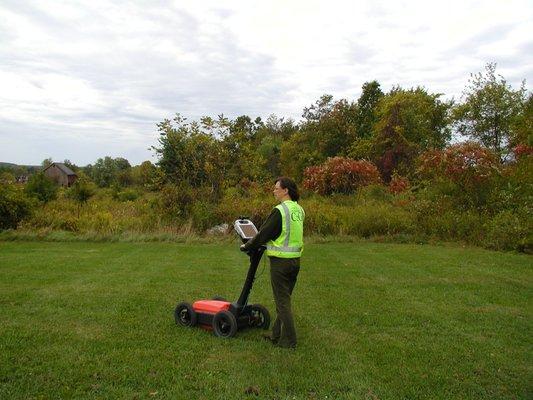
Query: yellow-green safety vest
{"x": 290, "y": 242}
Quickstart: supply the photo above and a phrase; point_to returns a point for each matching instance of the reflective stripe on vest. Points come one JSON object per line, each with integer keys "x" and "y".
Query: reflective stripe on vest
{"x": 283, "y": 250}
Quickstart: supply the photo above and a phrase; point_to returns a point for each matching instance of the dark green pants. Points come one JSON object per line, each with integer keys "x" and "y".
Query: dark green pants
{"x": 283, "y": 274}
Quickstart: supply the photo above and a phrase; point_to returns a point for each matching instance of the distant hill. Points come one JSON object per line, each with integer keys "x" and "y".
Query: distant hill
{"x": 16, "y": 166}
{"x": 8, "y": 165}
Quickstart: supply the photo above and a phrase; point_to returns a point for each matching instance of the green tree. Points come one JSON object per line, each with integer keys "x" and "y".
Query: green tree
{"x": 6, "y": 177}
{"x": 270, "y": 151}
{"x": 522, "y": 127}
{"x": 108, "y": 171}
{"x": 298, "y": 153}
{"x": 321, "y": 108}
{"x": 328, "y": 130}
{"x": 81, "y": 191}
{"x": 188, "y": 154}
{"x": 46, "y": 162}
{"x": 330, "y": 126}
{"x": 489, "y": 107}
{"x": 409, "y": 122}
{"x": 121, "y": 164}
{"x": 14, "y": 206}
{"x": 71, "y": 165}
{"x": 267, "y": 145}
{"x": 239, "y": 145}
{"x": 41, "y": 187}
{"x": 146, "y": 175}
{"x": 366, "y": 115}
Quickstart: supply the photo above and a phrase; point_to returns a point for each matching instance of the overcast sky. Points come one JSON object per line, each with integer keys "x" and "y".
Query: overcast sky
{"x": 80, "y": 80}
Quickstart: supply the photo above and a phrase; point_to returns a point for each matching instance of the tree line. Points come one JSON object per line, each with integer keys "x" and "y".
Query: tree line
{"x": 391, "y": 130}
{"x": 457, "y": 156}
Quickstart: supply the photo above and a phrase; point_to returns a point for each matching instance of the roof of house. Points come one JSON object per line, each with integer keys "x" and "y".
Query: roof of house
{"x": 62, "y": 167}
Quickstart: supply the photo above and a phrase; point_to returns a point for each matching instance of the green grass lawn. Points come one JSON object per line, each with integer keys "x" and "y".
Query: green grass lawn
{"x": 375, "y": 321}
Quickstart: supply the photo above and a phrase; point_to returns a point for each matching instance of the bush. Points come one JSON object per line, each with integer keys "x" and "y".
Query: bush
{"x": 468, "y": 170}
{"x": 510, "y": 230}
{"x": 523, "y": 150}
{"x": 103, "y": 222}
{"x": 467, "y": 163}
{"x": 320, "y": 217}
{"x": 255, "y": 202}
{"x": 399, "y": 184}
{"x": 6, "y": 178}
{"x": 125, "y": 195}
{"x": 365, "y": 219}
{"x": 453, "y": 225}
{"x": 185, "y": 204}
{"x": 175, "y": 201}
{"x": 470, "y": 164}
{"x": 375, "y": 220}
{"x": 68, "y": 223}
{"x": 340, "y": 175}
{"x": 41, "y": 187}
{"x": 426, "y": 212}
{"x": 14, "y": 206}
{"x": 82, "y": 190}
{"x": 430, "y": 165}
{"x": 203, "y": 215}
{"x": 372, "y": 193}
{"x": 515, "y": 186}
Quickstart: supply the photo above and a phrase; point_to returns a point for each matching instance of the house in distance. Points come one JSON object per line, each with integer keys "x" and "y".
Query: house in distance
{"x": 61, "y": 174}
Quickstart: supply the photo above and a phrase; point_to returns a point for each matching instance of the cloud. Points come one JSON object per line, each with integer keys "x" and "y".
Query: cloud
{"x": 118, "y": 81}
{"x": 359, "y": 53}
{"x": 94, "y": 77}
{"x": 470, "y": 46}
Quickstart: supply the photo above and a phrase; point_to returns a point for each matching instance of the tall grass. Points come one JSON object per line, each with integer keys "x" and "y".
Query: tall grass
{"x": 371, "y": 213}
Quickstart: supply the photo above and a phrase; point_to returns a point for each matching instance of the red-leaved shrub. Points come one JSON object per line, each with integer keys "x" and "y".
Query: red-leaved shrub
{"x": 430, "y": 164}
{"x": 399, "y": 184}
{"x": 467, "y": 164}
{"x": 340, "y": 175}
{"x": 470, "y": 163}
{"x": 523, "y": 150}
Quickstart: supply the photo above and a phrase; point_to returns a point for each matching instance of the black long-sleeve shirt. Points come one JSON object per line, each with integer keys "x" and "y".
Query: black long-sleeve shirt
{"x": 270, "y": 230}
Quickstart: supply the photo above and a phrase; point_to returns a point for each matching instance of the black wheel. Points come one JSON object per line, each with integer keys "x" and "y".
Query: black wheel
{"x": 220, "y": 298}
{"x": 259, "y": 316}
{"x": 185, "y": 315}
{"x": 224, "y": 324}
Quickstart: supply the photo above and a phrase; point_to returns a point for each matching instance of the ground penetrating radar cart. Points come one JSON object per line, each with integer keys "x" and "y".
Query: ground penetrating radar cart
{"x": 223, "y": 317}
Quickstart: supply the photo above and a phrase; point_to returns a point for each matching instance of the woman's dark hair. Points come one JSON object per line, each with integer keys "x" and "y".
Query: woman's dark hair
{"x": 288, "y": 183}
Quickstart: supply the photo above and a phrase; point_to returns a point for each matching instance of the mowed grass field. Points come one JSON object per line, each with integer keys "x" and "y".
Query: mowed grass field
{"x": 375, "y": 321}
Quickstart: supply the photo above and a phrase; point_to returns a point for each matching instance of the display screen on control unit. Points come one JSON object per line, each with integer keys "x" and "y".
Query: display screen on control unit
{"x": 248, "y": 230}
